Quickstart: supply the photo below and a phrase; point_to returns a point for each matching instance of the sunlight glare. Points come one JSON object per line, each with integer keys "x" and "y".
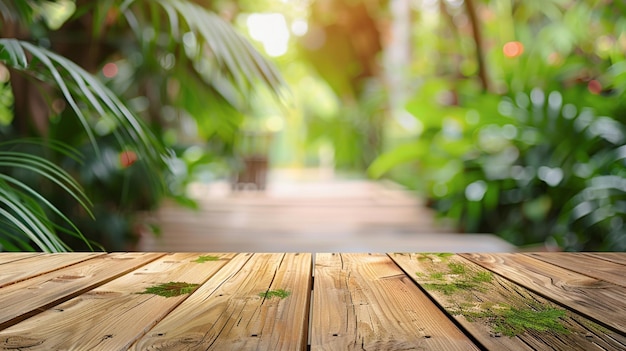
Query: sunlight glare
{"x": 271, "y": 30}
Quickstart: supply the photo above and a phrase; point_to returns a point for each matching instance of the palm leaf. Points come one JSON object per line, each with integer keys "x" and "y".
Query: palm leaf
{"x": 23, "y": 207}
{"x": 78, "y": 86}
{"x": 221, "y": 56}
{"x": 23, "y": 217}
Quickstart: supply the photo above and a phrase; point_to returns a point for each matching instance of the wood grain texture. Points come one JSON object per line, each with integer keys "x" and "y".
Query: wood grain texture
{"x": 617, "y": 257}
{"x": 28, "y": 266}
{"x": 29, "y": 297}
{"x": 365, "y": 302}
{"x": 6, "y": 257}
{"x": 601, "y": 301}
{"x": 591, "y": 266}
{"x": 114, "y": 315}
{"x": 477, "y": 299}
{"x": 228, "y": 312}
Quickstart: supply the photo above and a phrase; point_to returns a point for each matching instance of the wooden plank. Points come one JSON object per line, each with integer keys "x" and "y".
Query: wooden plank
{"x": 114, "y": 315}
{"x": 365, "y": 302}
{"x": 490, "y": 308}
{"x": 6, "y": 257}
{"x": 229, "y": 313}
{"x": 617, "y": 257}
{"x": 601, "y": 301}
{"x": 588, "y": 265}
{"x": 26, "y": 298}
{"x": 34, "y": 265}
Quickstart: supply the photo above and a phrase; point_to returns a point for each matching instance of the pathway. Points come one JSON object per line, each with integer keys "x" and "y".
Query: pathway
{"x": 301, "y": 213}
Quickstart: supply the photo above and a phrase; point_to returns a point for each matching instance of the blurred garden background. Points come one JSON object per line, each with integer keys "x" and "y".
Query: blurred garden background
{"x": 504, "y": 116}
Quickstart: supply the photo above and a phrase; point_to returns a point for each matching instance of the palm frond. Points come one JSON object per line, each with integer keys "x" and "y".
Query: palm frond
{"x": 220, "y": 55}
{"x": 22, "y": 217}
{"x": 12, "y": 10}
{"x": 24, "y": 208}
{"x": 80, "y": 88}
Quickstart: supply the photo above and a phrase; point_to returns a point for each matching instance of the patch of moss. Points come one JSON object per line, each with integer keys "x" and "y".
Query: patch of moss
{"x": 203, "y": 259}
{"x": 456, "y": 268}
{"x": 280, "y": 293}
{"x": 436, "y": 275}
{"x": 467, "y": 280}
{"x": 451, "y": 288}
{"x": 482, "y": 277}
{"x": 510, "y": 321}
{"x": 171, "y": 289}
{"x": 441, "y": 255}
{"x": 515, "y": 321}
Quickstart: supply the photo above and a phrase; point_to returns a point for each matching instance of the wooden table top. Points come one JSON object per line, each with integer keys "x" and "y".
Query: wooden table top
{"x": 300, "y": 301}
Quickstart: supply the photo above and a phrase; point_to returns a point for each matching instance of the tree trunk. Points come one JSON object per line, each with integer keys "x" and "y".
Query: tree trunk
{"x": 478, "y": 42}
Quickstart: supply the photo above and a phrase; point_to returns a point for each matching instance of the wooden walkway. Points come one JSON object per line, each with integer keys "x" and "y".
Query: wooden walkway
{"x": 300, "y": 301}
{"x": 310, "y": 215}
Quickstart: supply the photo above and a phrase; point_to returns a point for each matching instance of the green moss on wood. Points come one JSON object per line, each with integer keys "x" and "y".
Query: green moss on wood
{"x": 436, "y": 276}
{"x": 515, "y": 321}
{"x": 456, "y": 268}
{"x": 203, "y": 259}
{"x": 482, "y": 277}
{"x": 429, "y": 256}
{"x": 280, "y": 293}
{"x": 171, "y": 289}
{"x": 451, "y": 288}
{"x": 511, "y": 321}
{"x": 463, "y": 279}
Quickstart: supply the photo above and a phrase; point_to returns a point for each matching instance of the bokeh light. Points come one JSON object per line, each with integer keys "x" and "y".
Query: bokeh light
{"x": 271, "y": 30}
{"x": 127, "y": 158}
{"x": 110, "y": 70}
{"x": 513, "y": 49}
{"x": 594, "y": 87}
{"x": 299, "y": 27}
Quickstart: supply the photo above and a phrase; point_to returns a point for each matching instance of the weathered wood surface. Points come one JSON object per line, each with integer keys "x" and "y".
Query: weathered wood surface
{"x": 342, "y": 301}
{"x": 482, "y": 302}
{"x": 25, "y": 298}
{"x": 16, "y": 256}
{"x": 238, "y": 311}
{"x": 365, "y": 302}
{"x": 113, "y": 307}
{"x": 609, "y": 256}
{"x": 31, "y": 265}
{"x": 594, "y": 298}
{"x": 588, "y": 265}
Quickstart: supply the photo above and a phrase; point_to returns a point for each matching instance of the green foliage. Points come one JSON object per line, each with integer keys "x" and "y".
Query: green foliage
{"x": 23, "y": 210}
{"x": 171, "y": 289}
{"x": 164, "y": 73}
{"x": 539, "y": 157}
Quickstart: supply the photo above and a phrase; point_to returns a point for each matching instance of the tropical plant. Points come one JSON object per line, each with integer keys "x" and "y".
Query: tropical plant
{"x": 167, "y": 60}
{"x": 537, "y": 156}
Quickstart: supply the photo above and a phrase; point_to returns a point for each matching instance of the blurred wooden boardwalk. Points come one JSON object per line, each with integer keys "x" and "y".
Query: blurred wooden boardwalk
{"x": 296, "y": 214}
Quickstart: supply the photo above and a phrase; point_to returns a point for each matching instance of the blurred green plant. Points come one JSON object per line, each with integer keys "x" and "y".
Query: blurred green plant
{"x": 170, "y": 62}
{"x": 538, "y": 157}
